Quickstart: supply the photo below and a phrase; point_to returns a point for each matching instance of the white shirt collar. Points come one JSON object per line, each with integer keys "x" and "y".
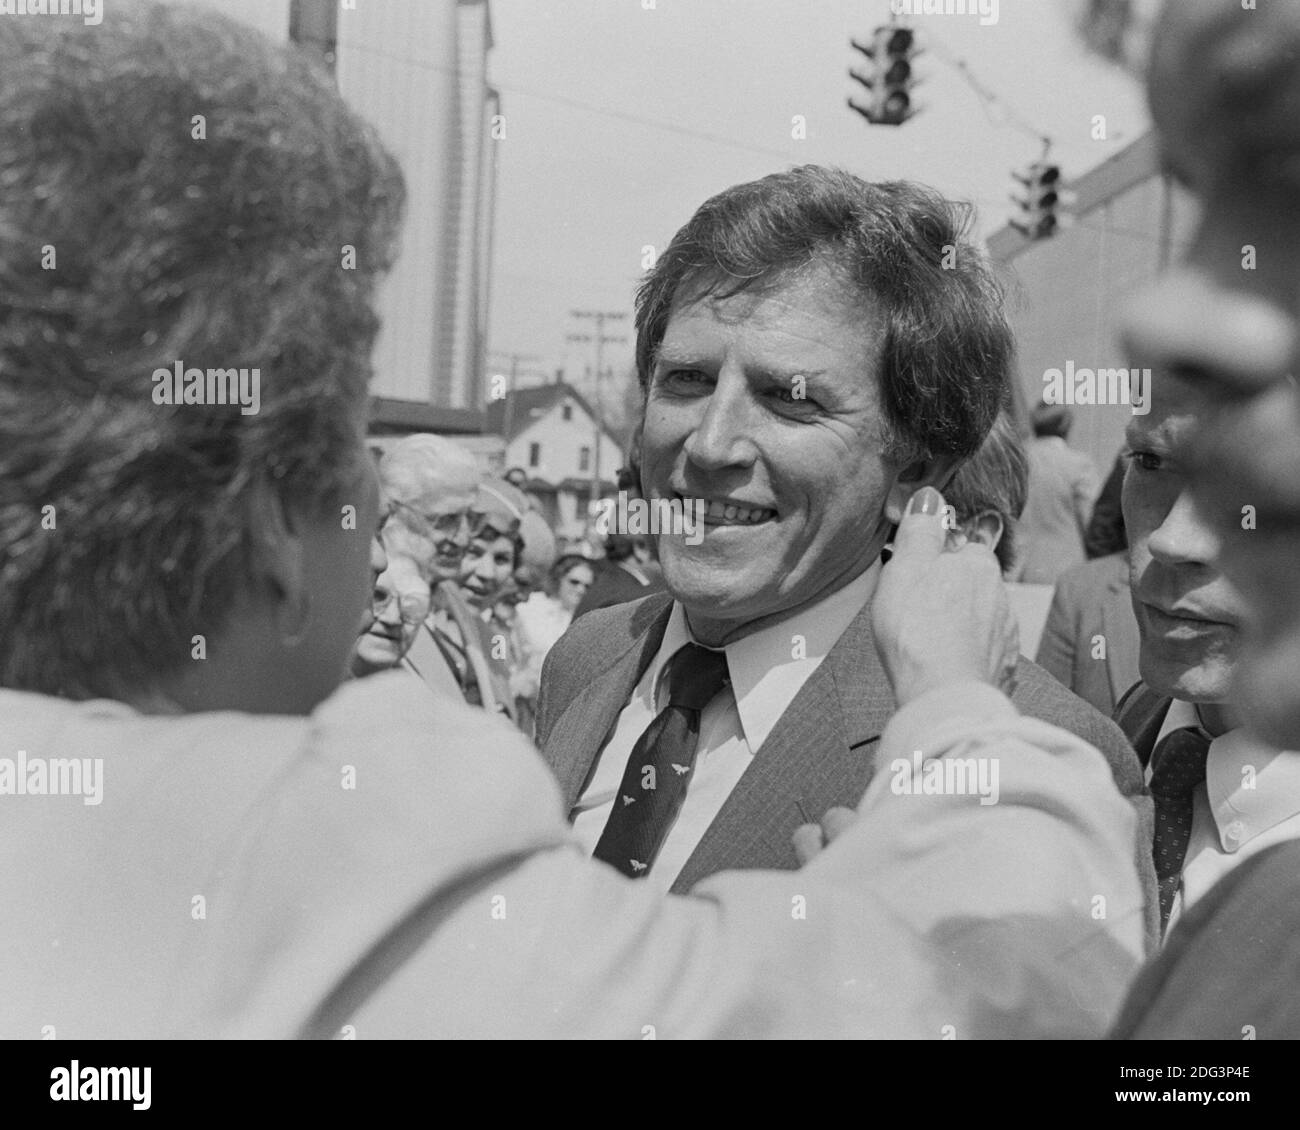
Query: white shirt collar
{"x": 769, "y": 667}
{"x": 1251, "y": 787}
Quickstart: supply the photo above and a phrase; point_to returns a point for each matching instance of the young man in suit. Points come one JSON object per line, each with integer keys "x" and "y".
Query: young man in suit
{"x": 1224, "y": 83}
{"x": 1221, "y": 795}
{"x": 801, "y": 390}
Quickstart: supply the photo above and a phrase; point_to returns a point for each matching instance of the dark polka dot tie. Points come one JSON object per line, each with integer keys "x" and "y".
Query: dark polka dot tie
{"x": 1177, "y": 768}
{"x": 661, "y": 763}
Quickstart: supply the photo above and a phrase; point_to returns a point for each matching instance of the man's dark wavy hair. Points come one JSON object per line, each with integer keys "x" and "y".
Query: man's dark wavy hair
{"x": 947, "y": 345}
{"x": 224, "y": 252}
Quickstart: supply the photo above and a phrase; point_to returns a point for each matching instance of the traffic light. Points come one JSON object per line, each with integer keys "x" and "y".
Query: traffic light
{"x": 888, "y": 77}
{"x": 1038, "y": 219}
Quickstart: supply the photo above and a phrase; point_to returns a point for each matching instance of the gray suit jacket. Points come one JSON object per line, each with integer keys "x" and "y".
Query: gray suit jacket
{"x": 819, "y": 754}
{"x": 1093, "y": 600}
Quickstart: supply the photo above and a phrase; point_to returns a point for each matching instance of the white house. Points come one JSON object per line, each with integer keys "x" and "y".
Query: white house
{"x": 552, "y": 434}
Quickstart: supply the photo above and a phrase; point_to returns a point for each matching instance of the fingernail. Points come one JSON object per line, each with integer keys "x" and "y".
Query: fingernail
{"x": 927, "y": 500}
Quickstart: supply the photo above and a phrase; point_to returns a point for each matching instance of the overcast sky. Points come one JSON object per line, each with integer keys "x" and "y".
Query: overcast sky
{"x": 620, "y": 121}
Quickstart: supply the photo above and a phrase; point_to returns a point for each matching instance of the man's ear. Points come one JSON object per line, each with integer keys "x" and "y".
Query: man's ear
{"x": 987, "y": 528}
{"x": 923, "y": 473}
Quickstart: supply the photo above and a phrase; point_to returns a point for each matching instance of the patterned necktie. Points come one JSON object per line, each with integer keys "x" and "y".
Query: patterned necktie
{"x": 659, "y": 766}
{"x": 1177, "y": 768}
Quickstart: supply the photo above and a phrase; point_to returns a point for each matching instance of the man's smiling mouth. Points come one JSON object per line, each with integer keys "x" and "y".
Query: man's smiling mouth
{"x": 730, "y": 511}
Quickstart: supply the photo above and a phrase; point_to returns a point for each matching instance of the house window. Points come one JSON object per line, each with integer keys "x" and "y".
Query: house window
{"x": 584, "y": 459}
{"x": 534, "y": 454}
{"x": 567, "y": 412}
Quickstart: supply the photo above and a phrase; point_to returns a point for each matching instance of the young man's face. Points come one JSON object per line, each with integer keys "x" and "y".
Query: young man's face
{"x": 1225, "y": 91}
{"x": 1189, "y": 615}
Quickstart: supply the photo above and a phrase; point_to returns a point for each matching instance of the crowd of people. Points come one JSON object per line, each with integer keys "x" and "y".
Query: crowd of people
{"x": 788, "y": 778}
{"x": 470, "y": 591}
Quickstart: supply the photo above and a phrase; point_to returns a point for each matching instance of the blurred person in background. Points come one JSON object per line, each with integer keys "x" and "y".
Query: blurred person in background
{"x": 545, "y": 616}
{"x": 628, "y": 572}
{"x": 537, "y": 556}
{"x": 988, "y": 494}
{"x": 1105, "y": 533}
{"x": 1090, "y": 640}
{"x": 1063, "y": 486}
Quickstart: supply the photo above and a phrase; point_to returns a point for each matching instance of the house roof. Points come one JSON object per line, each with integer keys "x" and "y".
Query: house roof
{"x": 532, "y": 403}
{"x": 390, "y": 416}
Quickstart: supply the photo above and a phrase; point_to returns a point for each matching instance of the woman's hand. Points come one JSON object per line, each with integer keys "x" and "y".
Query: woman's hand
{"x": 941, "y": 616}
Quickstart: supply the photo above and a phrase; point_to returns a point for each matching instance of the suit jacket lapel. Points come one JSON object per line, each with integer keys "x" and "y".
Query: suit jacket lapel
{"x": 581, "y": 731}
{"x": 819, "y": 754}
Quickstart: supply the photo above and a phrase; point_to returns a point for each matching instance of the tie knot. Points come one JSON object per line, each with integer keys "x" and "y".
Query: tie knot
{"x": 1178, "y": 762}
{"x": 695, "y": 675}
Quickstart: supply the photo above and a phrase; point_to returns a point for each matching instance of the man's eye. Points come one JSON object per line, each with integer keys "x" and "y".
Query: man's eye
{"x": 1146, "y": 460}
{"x": 683, "y": 379}
{"x": 791, "y": 396}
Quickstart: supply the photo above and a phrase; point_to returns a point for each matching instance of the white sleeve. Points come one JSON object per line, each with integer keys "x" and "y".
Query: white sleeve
{"x": 935, "y": 916}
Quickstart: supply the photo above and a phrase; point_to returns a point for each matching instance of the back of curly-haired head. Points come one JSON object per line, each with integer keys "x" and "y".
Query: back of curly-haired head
{"x": 175, "y": 188}
{"x": 902, "y": 247}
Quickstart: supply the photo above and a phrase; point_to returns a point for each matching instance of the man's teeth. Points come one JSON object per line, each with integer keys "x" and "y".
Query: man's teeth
{"x": 741, "y": 515}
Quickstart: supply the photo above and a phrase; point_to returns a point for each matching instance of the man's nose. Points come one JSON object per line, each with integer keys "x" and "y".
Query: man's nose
{"x": 1186, "y": 536}
{"x": 1193, "y": 324}
{"x": 723, "y": 435}
{"x": 391, "y": 613}
{"x": 459, "y": 540}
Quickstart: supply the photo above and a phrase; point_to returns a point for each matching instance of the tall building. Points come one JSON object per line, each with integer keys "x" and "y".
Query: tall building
{"x": 417, "y": 70}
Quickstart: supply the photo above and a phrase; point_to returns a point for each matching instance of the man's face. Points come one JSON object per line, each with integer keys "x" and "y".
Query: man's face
{"x": 1225, "y": 92}
{"x": 435, "y": 532}
{"x": 573, "y": 586}
{"x": 1188, "y": 614}
{"x": 487, "y": 570}
{"x": 767, "y": 406}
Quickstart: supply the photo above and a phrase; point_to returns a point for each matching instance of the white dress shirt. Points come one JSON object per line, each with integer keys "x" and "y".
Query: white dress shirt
{"x": 1249, "y": 801}
{"x": 767, "y": 670}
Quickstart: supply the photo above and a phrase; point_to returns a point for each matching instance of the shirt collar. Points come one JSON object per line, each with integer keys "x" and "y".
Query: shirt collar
{"x": 1251, "y": 787}
{"x": 768, "y": 668}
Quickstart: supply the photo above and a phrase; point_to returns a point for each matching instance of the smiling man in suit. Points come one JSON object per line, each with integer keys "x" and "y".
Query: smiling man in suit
{"x": 813, "y": 349}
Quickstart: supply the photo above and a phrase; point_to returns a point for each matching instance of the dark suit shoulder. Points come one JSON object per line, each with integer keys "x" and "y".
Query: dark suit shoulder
{"x": 1220, "y": 974}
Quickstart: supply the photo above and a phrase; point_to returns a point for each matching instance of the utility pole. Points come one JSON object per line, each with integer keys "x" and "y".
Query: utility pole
{"x": 514, "y": 359}
{"x": 600, "y": 317}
